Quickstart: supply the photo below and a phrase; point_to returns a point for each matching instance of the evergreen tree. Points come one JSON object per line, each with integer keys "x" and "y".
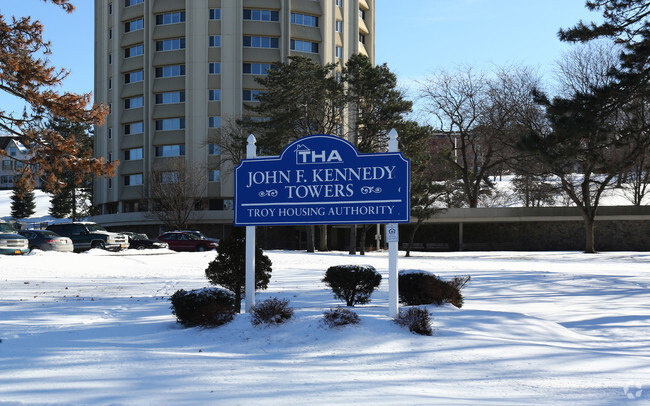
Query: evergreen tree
{"x": 22, "y": 203}
{"x": 375, "y": 105}
{"x": 598, "y": 132}
{"x": 229, "y": 268}
{"x": 25, "y": 73}
{"x": 60, "y": 205}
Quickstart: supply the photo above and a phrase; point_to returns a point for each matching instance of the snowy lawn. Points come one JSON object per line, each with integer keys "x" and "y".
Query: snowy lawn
{"x": 536, "y": 328}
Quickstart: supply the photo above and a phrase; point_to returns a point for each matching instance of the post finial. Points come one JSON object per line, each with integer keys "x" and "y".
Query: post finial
{"x": 392, "y": 141}
{"x": 251, "y": 148}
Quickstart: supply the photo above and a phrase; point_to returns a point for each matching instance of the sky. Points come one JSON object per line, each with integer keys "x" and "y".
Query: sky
{"x": 415, "y": 38}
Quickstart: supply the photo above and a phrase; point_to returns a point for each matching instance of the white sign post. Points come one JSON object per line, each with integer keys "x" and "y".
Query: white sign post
{"x": 392, "y": 238}
{"x": 251, "y": 152}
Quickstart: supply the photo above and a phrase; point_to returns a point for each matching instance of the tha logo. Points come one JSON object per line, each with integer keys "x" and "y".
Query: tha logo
{"x": 306, "y": 156}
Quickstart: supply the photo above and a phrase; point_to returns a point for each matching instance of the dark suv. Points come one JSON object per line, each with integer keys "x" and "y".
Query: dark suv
{"x": 186, "y": 241}
{"x": 85, "y": 235}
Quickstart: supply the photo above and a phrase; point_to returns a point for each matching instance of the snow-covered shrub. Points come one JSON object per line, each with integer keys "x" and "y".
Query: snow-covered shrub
{"x": 340, "y": 317}
{"x": 207, "y": 307}
{"x": 421, "y": 287}
{"x": 271, "y": 311}
{"x": 418, "y": 320}
{"x": 352, "y": 283}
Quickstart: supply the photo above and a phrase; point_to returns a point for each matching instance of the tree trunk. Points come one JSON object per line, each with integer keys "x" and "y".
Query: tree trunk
{"x": 590, "y": 245}
{"x": 322, "y": 244}
{"x": 353, "y": 239}
{"x": 238, "y": 297}
{"x": 412, "y": 237}
{"x": 310, "y": 239}
{"x": 362, "y": 238}
{"x": 74, "y": 203}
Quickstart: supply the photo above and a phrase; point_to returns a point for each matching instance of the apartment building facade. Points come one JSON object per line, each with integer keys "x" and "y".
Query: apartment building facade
{"x": 172, "y": 71}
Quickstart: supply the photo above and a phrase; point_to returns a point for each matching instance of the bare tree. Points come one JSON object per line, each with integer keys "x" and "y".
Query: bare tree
{"x": 637, "y": 180}
{"x": 481, "y": 118}
{"x": 174, "y": 190}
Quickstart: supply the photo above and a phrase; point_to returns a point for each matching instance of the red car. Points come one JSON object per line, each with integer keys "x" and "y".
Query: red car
{"x": 186, "y": 241}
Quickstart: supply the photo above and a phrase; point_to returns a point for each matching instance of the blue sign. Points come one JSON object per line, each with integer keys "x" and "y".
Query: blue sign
{"x": 322, "y": 179}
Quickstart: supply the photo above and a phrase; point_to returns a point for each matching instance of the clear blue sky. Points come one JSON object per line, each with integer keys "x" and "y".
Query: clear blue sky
{"x": 414, "y": 37}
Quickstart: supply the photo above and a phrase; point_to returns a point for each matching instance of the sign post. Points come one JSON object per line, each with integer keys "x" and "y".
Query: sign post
{"x": 251, "y": 152}
{"x": 322, "y": 179}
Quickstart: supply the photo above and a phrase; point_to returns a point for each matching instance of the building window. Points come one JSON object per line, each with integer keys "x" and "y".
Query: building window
{"x": 110, "y": 33}
{"x": 170, "y": 18}
{"x": 169, "y": 177}
{"x": 110, "y": 83}
{"x": 304, "y": 19}
{"x": 214, "y": 94}
{"x": 304, "y": 46}
{"x": 128, "y": 3}
{"x": 170, "y": 124}
{"x": 133, "y": 128}
{"x": 110, "y": 183}
{"x": 362, "y": 39}
{"x": 215, "y": 68}
{"x": 170, "y": 150}
{"x": 13, "y": 151}
{"x": 214, "y": 176}
{"x": 214, "y": 149}
{"x": 339, "y": 26}
{"x": 7, "y": 165}
{"x": 110, "y": 59}
{"x": 133, "y": 102}
{"x": 170, "y": 71}
{"x": 362, "y": 14}
{"x": 133, "y": 51}
{"x": 132, "y": 77}
{"x": 339, "y": 3}
{"x": 173, "y": 44}
{"x": 257, "y": 68}
{"x": 261, "y": 42}
{"x": 133, "y": 180}
{"x": 251, "y": 95}
{"x": 261, "y": 15}
{"x": 339, "y": 52}
{"x": 214, "y": 122}
{"x": 215, "y": 14}
{"x": 215, "y": 40}
{"x": 110, "y": 133}
{"x": 170, "y": 97}
{"x": 110, "y": 8}
{"x": 133, "y": 154}
{"x": 134, "y": 25}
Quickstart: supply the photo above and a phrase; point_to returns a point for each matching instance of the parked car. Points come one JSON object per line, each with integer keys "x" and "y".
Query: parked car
{"x": 200, "y": 235}
{"x": 186, "y": 241}
{"x": 140, "y": 241}
{"x": 47, "y": 240}
{"x": 87, "y": 235}
{"x": 12, "y": 243}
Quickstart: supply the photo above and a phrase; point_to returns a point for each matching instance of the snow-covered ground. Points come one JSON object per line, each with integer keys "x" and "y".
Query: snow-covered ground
{"x": 536, "y": 328}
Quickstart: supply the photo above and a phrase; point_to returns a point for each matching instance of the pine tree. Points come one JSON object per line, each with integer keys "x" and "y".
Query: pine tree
{"x": 60, "y": 205}
{"x": 22, "y": 203}
{"x": 25, "y": 73}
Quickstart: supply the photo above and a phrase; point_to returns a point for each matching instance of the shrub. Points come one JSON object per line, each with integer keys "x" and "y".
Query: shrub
{"x": 340, "y": 317}
{"x": 271, "y": 311}
{"x": 418, "y": 320}
{"x": 203, "y": 307}
{"x": 229, "y": 268}
{"x": 421, "y": 287}
{"x": 352, "y": 283}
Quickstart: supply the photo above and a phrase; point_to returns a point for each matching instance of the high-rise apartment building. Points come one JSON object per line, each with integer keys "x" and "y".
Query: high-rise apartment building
{"x": 172, "y": 70}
